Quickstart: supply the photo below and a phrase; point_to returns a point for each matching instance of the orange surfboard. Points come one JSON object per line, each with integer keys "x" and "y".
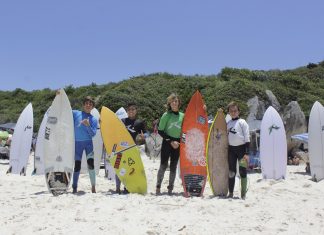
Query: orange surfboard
{"x": 194, "y": 135}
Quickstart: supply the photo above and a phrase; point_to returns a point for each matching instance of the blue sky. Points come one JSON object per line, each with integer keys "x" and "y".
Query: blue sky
{"x": 55, "y": 43}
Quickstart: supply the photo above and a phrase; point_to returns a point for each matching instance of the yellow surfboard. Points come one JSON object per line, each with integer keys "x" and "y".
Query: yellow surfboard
{"x": 124, "y": 155}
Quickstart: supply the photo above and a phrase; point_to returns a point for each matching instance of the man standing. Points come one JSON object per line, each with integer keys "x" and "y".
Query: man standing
{"x": 238, "y": 149}
{"x": 135, "y": 127}
{"x": 85, "y": 127}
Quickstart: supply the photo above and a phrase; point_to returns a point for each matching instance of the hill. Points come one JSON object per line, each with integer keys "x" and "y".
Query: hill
{"x": 304, "y": 85}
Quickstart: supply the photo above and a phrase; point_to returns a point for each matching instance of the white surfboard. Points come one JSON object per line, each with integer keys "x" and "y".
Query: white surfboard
{"x": 228, "y": 118}
{"x": 316, "y": 141}
{"x": 59, "y": 145}
{"x": 97, "y": 147}
{"x": 121, "y": 113}
{"x": 21, "y": 141}
{"x": 178, "y": 170}
{"x": 110, "y": 172}
{"x": 39, "y": 151}
{"x": 273, "y": 146}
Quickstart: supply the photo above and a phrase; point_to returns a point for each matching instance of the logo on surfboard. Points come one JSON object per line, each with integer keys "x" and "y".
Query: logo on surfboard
{"x": 122, "y": 172}
{"x": 52, "y": 120}
{"x": 132, "y": 171}
{"x": 273, "y": 126}
{"x": 47, "y": 133}
{"x": 118, "y": 159}
{"x": 27, "y": 128}
{"x": 130, "y": 161}
{"x": 201, "y": 120}
{"x": 218, "y": 134}
{"x": 124, "y": 144}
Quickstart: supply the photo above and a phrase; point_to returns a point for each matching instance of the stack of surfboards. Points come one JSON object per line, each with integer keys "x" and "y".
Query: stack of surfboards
{"x": 21, "y": 142}
{"x": 123, "y": 154}
{"x": 316, "y": 141}
{"x": 273, "y": 146}
{"x": 194, "y": 135}
{"x": 59, "y": 145}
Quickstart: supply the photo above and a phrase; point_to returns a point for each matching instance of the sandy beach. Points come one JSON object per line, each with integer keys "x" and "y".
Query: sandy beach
{"x": 291, "y": 206}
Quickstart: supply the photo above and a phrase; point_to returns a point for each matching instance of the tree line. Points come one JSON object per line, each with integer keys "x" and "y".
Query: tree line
{"x": 304, "y": 84}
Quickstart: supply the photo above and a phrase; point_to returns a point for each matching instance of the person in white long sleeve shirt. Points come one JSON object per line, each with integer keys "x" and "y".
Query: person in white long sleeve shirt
{"x": 239, "y": 141}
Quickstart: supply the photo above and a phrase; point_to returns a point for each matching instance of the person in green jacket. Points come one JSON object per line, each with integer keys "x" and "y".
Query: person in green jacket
{"x": 170, "y": 130}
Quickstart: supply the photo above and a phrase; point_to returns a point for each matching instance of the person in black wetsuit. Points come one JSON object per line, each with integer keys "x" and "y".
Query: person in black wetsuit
{"x": 170, "y": 130}
{"x": 135, "y": 127}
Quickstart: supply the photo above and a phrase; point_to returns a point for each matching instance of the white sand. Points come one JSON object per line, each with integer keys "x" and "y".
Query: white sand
{"x": 291, "y": 206}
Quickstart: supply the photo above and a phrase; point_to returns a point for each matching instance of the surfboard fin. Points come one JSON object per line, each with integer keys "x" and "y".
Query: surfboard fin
{"x": 314, "y": 178}
{"x": 22, "y": 172}
{"x": 243, "y": 188}
{"x": 9, "y": 170}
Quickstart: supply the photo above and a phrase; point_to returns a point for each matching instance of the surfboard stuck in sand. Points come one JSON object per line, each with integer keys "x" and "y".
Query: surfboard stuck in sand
{"x": 217, "y": 155}
{"x": 59, "y": 145}
{"x": 123, "y": 154}
{"x": 21, "y": 142}
{"x": 316, "y": 141}
{"x": 273, "y": 146}
{"x": 193, "y": 147}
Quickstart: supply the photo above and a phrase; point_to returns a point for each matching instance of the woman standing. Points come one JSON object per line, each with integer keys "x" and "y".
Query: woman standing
{"x": 170, "y": 130}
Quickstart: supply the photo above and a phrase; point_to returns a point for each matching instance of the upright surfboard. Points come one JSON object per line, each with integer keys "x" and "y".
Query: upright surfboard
{"x": 124, "y": 155}
{"x": 217, "y": 155}
{"x": 316, "y": 141}
{"x": 21, "y": 142}
{"x": 228, "y": 118}
{"x": 59, "y": 145}
{"x": 110, "y": 172}
{"x": 273, "y": 146}
{"x": 39, "y": 151}
{"x": 121, "y": 113}
{"x": 193, "y": 147}
{"x": 97, "y": 147}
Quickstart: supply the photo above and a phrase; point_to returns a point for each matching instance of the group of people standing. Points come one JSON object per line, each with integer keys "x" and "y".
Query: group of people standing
{"x": 170, "y": 130}
{"x": 85, "y": 126}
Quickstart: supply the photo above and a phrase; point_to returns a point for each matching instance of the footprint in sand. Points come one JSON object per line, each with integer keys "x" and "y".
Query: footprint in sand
{"x": 307, "y": 185}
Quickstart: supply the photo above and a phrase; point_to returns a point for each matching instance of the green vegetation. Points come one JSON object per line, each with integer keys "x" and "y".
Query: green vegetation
{"x": 304, "y": 84}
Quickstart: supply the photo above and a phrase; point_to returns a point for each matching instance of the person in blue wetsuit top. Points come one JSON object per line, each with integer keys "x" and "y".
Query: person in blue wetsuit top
{"x": 85, "y": 127}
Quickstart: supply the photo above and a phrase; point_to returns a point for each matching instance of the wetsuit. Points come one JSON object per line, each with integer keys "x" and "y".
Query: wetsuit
{"x": 134, "y": 126}
{"x": 239, "y": 140}
{"x": 170, "y": 130}
{"x": 83, "y": 142}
